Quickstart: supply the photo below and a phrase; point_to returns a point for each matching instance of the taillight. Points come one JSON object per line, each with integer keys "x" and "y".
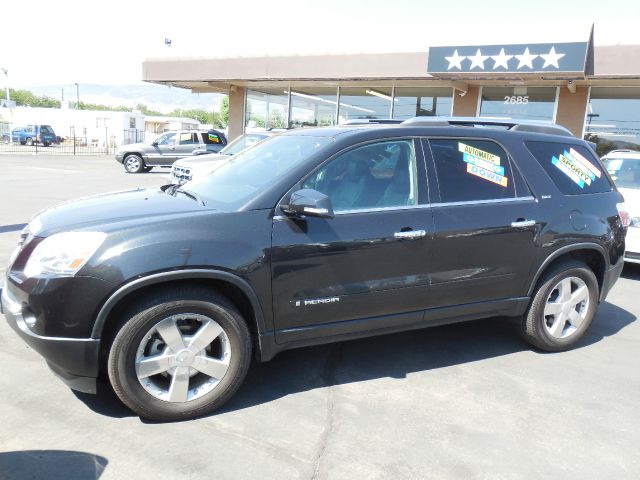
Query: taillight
{"x": 625, "y": 218}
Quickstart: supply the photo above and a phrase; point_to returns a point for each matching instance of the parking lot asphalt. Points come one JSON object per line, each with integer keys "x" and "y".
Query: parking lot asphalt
{"x": 468, "y": 401}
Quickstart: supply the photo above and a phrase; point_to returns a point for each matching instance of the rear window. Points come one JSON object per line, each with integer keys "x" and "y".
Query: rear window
{"x": 46, "y": 129}
{"x": 573, "y": 168}
{"x": 214, "y": 138}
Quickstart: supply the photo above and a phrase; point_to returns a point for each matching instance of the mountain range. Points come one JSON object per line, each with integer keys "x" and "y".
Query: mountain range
{"x": 156, "y": 97}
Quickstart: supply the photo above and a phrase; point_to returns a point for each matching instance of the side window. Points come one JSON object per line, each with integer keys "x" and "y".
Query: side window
{"x": 167, "y": 139}
{"x": 471, "y": 170}
{"x": 377, "y": 175}
{"x": 188, "y": 138}
{"x": 573, "y": 168}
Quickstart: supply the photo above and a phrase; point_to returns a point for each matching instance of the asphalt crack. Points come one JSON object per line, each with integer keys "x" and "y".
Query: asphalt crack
{"x": 329, "y": 377}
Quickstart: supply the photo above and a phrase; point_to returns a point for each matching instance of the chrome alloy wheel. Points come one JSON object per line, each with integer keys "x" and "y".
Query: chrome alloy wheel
{"x": 132, "y": 163}
{"x": 183, "y": 357}
{"x": 566, "y": 308}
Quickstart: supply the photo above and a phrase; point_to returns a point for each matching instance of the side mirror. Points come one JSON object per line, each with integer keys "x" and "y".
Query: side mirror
{"x": 308, "y": 203}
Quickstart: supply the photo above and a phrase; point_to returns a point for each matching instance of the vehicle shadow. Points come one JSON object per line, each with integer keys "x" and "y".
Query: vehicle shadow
{"x": 386, "y": 356}
{"x": 49, "y": 464}
{"x": 631, "y": 271}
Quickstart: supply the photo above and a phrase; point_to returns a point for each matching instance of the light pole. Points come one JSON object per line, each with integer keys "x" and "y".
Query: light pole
{"x": 77, "y": 96}
{"x": 6, "y": 74}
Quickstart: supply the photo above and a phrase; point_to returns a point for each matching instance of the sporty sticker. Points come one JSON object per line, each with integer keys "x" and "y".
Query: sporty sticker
{"x": 571, "y": 170}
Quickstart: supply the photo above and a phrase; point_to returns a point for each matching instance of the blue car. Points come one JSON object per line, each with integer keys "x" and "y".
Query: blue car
{"x": 30, "y": 134}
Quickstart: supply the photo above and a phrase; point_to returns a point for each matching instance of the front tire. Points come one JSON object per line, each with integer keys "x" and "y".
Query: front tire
{"x": 563, "y": 306}
{"x": 29, "y": 142}
{"x": 133, "y": 163}
{"x": 182, "y": 355}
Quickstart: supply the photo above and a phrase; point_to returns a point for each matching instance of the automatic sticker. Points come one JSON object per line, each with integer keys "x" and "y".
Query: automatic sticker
{"x": 483, "y": 164}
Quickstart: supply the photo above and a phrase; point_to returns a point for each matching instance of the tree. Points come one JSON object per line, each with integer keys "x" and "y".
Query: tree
{"x": 223, "y": 113}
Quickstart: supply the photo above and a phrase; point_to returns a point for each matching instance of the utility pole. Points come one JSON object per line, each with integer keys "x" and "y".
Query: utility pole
{"x": 77, "y": 96}
{"x": 6, "y": 74}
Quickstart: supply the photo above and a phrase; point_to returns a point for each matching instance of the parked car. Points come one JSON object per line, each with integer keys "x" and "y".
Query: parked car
{"x": 189, "y": 168}
{"x": 624, "y": 168}
{"x": 167, "y": 148}
{"x": 316, "y": 236}
{"x": 32, "y": 134}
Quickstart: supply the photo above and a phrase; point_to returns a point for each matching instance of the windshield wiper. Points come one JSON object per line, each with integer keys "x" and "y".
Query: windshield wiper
{"x": 177, "y": 189}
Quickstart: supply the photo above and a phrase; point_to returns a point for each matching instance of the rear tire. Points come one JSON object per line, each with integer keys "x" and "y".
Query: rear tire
{"x": 133, "y": 163}
{"x": 564, "y": 304}
{"x": 165, "y": 359}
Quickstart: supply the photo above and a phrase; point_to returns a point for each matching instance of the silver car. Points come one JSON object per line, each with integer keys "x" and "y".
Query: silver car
{"x": 189, "y": 168}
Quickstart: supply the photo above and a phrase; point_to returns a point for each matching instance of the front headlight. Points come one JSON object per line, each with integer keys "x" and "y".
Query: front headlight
{"x": 63, "y": 253}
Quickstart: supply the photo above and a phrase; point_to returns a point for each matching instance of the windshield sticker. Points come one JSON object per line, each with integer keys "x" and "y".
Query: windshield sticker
{"x": 487, "y": 175}
{"x": 580, "y": 160}
{"x": 214, "y": 138}
{"x": 614, "y": 165}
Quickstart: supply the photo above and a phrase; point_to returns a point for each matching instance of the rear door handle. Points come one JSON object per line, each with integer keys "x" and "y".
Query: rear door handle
{"x": 523, "y": 223}
{"x": 410, "y": 234}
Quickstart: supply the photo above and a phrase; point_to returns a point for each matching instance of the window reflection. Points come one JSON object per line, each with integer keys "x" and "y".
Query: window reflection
{"x": 364, "y": 102}
{"x": 313, "y": 106}
{"x": 412, "y": 102}
{"x": 612, "y": 120}
{"x": 266, "y": 108}
{"x": 535, "y": 103}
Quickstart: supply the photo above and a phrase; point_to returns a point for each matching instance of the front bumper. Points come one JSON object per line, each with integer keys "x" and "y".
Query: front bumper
{"x": 119, "y": 157}
{"x": 74, "y": 360}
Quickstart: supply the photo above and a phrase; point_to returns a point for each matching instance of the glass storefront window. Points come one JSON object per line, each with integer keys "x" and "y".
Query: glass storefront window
{"x": 313, "y": 106}
{"x": 613, "y": 118}
{"x": 412, "y": 102}
{"x": 533, "y": 103}
{"x": 266, "y": 108}
{"x": 364, "y": 102}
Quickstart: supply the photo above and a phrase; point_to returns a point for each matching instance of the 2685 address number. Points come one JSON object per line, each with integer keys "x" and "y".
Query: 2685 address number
{"x": 516, "y": 99}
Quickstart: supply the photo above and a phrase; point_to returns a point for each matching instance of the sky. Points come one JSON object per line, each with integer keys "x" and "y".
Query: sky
{"x": 65, "y": 41}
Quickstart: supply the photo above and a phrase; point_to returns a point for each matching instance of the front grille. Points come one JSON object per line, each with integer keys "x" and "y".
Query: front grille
{"x": 181, "y": 174}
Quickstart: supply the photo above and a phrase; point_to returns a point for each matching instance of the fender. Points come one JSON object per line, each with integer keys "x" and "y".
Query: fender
{"x": 178, "y": 275}
{"x": 562, "y": 251}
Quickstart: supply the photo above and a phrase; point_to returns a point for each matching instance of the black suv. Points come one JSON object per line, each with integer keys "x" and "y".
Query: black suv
{"x": 315, "y": 236}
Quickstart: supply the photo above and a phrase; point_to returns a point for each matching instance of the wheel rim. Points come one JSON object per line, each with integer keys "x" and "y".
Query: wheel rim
{"x": 183, "y": 357}
{"x": 566, "y": 308}
{"x": 133, "y": 163}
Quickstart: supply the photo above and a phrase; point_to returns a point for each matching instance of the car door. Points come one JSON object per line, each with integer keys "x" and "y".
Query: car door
{"x": 368, "y": 267}
{"x": 163, "y": 150}
{"x": 187, "y": 143}
{"x": 485, "y": 224}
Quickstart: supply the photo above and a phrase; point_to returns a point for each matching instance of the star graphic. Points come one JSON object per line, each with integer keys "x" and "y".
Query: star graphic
{"x": 501, "y": 60}
{"x": 526, "y": 59}
{"x": 477, "y": 60}
{"x": 455, "y": 61}
{"x": 551, "y": 58}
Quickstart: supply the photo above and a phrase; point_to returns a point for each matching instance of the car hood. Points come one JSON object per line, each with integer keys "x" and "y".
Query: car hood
{"x": 134, "y": 146}
{"x": 108, "y": 211}
{"x": 200, "y": 160}
{"x": 631, "y": 200}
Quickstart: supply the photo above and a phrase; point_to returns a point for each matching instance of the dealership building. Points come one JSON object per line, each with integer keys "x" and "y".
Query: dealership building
{"x": 592, "y": 90}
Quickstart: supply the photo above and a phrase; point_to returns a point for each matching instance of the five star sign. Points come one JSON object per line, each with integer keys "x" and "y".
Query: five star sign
{"x": 525, "y": 59}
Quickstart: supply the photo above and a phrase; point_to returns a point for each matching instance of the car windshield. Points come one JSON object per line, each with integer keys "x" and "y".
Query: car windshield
{"x": 625, "y": 172}
{"x": 242, "y": 142}
{"x": 245, "y": 174}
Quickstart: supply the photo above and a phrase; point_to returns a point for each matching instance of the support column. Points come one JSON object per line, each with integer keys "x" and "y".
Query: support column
{"x": 466, "y": 106}
{"x": 572, "y": 108}
{"x": 236, "y": 113}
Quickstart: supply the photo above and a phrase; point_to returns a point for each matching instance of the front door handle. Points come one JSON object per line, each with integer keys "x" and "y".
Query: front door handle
{"x": 410, "y": 234}
{"x": 523, "y": 223}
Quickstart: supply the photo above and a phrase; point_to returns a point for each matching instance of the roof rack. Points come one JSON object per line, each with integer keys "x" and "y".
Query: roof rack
{"x": 372, "y": 121}
{"x": 507, "y": 123}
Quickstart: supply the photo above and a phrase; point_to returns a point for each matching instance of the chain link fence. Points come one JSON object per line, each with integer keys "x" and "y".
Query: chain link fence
{"x": 76, "y": 140}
